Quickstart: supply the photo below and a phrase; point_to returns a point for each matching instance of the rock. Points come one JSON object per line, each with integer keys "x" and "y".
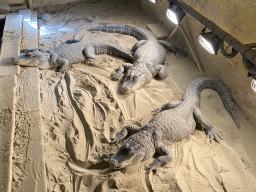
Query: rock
{"x": 4, "y": 8}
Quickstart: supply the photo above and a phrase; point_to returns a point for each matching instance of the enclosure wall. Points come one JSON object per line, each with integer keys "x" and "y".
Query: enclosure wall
{"x": 237, "y": 17}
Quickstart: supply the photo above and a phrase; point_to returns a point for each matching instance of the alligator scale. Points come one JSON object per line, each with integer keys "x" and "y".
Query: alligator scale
{"x": 72, "y": 51}
{"x": 172, "y": 122}
{"x": 148, "y": 56}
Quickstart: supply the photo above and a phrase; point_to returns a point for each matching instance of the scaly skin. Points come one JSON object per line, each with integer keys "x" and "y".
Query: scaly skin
{"x": 148, "y": 56}
{"x": 172, "y": 122}
{"x": 73, "y": 51}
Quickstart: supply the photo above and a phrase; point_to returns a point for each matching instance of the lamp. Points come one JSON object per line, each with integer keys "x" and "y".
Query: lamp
{"x": 253, "y": 84}
{"x": 174, "y": 13}
{"x": 154, "y": 1}
{"x": 209, "y": 41}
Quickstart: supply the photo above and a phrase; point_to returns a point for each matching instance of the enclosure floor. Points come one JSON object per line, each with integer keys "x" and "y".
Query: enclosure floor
{"x": 83, "y": 109}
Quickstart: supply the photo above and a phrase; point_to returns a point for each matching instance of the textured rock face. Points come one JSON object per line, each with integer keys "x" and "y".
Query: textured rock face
{"x": 172, "y": 122}
{"x": 148, "y": 56}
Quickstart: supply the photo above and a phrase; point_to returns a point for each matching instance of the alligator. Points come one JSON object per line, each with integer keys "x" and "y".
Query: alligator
{"x": 148, "y": 56}
{"x": 172, "y": 122}
{"x": 72, "y": 51}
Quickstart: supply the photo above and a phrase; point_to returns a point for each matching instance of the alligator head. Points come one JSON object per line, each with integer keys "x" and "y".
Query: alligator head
{"x": 138, "y": 147}
{"x": 33, "y": 59}
{"x": 135, "y": 79}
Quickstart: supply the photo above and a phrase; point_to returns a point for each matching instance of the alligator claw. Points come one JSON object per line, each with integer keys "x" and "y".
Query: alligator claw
{"x": 154, "y": 112}
{"x": 117, "y": 140}
{"x": 89, "y": 60}
{"x": 213, "y": 134}
{"x": 115, "y": 76}
{"x": 153, "y": 166}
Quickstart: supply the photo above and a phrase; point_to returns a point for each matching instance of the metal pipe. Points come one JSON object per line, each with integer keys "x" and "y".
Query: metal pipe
{"x": 192, "y": 51}
{"x": 243, "y": 49}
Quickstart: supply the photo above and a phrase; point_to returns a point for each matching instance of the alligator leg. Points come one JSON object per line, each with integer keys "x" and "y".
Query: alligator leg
{"x": 120, "y": 70}
{"x": 70, "y": 41}
{"x": 170, "y": 105}
{"x": 63, "y": 63}
{"x": 127, "y": 129}
{"x": 211, "y": 131}
{"x": 165, "y": 157}
{"x": 28, "y": 50}
{"x": 161, "y": 71}
{"x": 137, "y": 45}
{"x": 89, "y": 53}
{"x": 35, "y": 49}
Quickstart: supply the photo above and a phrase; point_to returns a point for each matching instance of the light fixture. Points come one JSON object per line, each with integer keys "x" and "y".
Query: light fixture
{"x": 174, "y": 13}
{"x": 251, "y": 67}
{"x": 154, "y": 1}
{"x": 215, "y": 39}
{"x": 225, "y": 51}
{"x": 209, "y": 41}
{"x": 253, "y": 84}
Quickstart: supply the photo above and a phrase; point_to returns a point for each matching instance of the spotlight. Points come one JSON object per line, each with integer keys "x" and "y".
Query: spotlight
{"x": 253, "y": 84}
{"x": 209, "y": 41}
{"x": 175, "y": 14}
{"x": 154, "y": 1}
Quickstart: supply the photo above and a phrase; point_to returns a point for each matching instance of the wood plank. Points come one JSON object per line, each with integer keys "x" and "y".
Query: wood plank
{"x": 11, "y": 39}
{"x": 28, "y": 107}
{"x": 9, "y": 70}
{"x": 10, "y": 48}
{"x": 30, "y": 29}
{"x": 28, "y": 133}
{"x": 7, "y": 122}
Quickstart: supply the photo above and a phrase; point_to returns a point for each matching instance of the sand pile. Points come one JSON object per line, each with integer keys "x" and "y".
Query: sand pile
{"x": 83, "y": 109}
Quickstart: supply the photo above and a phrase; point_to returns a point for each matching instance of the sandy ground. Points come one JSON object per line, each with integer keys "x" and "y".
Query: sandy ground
{"x": 83, "y": 109}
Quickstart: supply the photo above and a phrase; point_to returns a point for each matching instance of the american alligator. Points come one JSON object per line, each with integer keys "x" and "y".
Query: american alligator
{"x": 148, "y": 56}
{"x": 73, "y": 51}
{"x": 172, "y": 122}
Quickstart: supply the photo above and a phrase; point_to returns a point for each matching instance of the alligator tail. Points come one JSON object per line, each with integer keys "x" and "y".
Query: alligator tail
{"x": 122, "y": 29}
{"x": 112, "y": 49}
{"x": 195, "y": 88}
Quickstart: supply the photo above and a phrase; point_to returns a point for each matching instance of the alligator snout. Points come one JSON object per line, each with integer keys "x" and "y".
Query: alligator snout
{"x": 114, "y": 164}
{"x": 125, "y": 89}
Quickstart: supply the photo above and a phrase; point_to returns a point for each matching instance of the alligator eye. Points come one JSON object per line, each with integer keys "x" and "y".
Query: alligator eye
{"x": 131, "y": 150}
{"x": 135, "y": 78}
